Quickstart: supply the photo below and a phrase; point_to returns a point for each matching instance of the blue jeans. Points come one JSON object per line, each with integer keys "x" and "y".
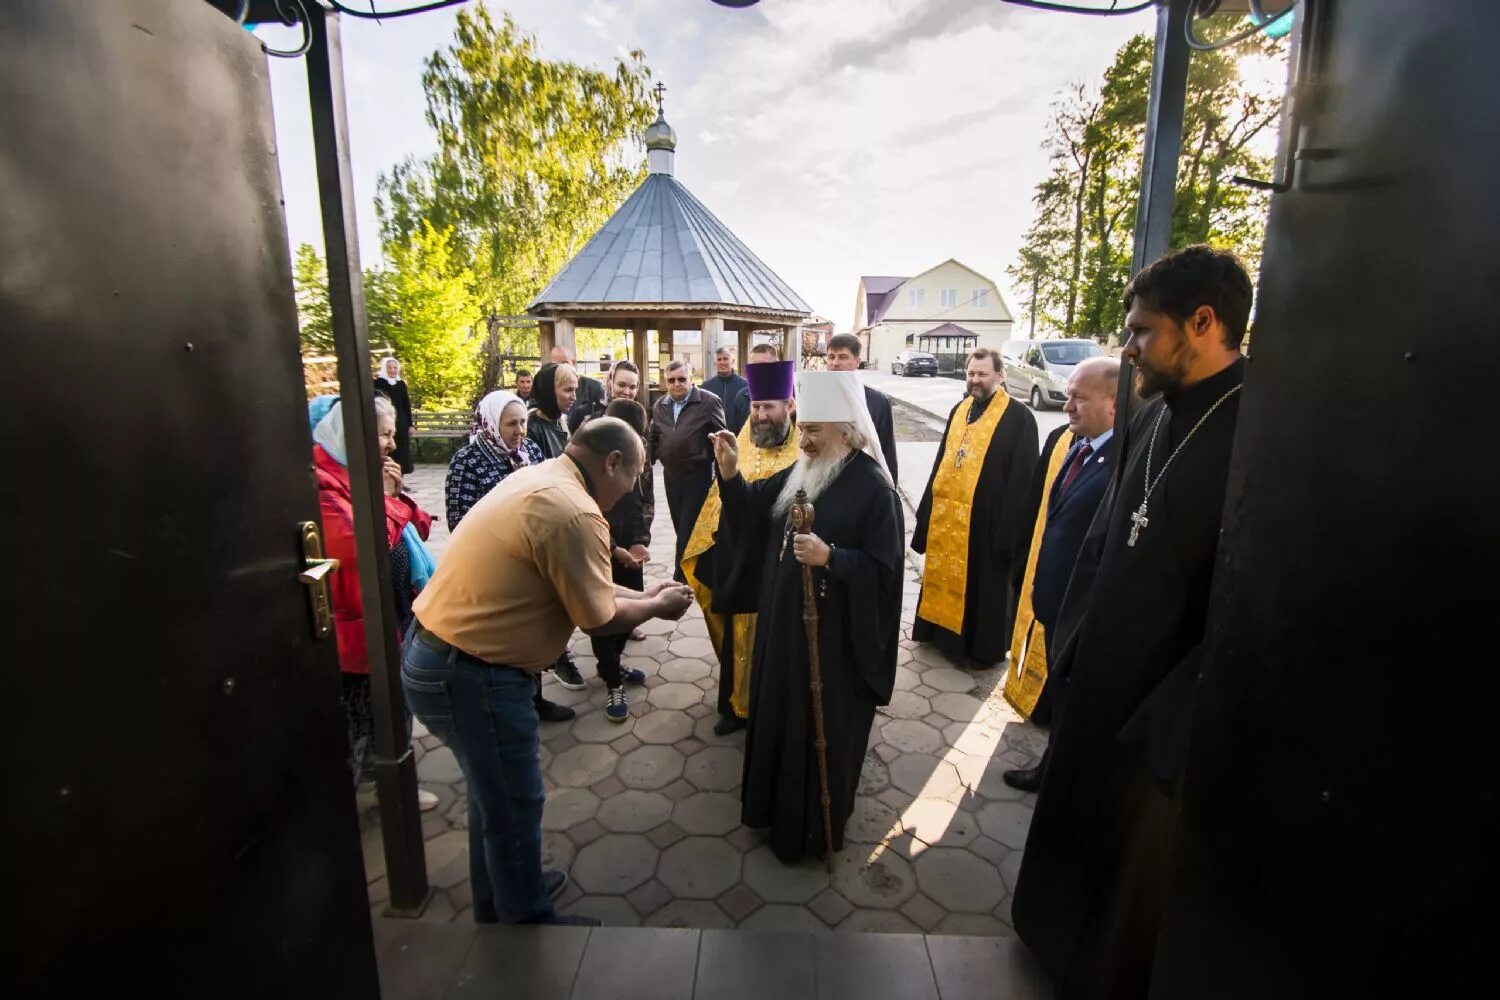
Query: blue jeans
{"x": 485, "y": 716}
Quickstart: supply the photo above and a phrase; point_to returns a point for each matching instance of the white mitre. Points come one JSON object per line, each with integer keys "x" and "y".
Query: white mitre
{"x": 837, "y": 398}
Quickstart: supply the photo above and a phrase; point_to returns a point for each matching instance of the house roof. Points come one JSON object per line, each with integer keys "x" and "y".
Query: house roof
{"x": 880, "y": 293}
{"x": 948, "y": 330}
{"x": 663, "y": 246}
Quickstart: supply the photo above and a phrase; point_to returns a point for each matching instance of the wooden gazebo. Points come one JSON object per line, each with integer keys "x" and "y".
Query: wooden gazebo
{"x": 663, "y": 263}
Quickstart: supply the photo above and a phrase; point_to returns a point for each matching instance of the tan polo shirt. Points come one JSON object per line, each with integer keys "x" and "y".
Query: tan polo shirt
{"x": 527, "y": 563}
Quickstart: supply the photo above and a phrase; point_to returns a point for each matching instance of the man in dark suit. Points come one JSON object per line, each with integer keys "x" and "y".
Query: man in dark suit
{"x": 681, "y": 422}
{"x": 843, "y": 356}
{"x": 1072, "y": 495}
{"x": 731, "y": 388}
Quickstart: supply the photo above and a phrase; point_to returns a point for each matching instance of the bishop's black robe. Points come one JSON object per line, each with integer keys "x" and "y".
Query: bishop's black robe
{"x": 859, "y": 610}
{"x": 999, "y": 533}
{"x": 1099, "y": 851}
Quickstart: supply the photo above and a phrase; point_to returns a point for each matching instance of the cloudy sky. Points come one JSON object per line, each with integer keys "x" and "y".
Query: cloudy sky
{"x": 835, "y": 137}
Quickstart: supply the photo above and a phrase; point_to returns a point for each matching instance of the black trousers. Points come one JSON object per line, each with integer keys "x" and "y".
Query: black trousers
{"x": 727, "y": 678}
{"x": 608, "y": 649}
{"x": 685, "y": 496}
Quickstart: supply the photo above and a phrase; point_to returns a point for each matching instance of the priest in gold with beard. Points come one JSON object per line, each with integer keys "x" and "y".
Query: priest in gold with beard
{"x": 767, "y": 444}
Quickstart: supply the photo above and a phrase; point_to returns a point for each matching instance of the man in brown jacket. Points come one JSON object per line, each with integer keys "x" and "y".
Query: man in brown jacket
{"x": 681, "y": 422}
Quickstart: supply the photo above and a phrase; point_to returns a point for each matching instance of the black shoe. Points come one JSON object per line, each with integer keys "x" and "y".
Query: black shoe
{"x": 728, "y": 724}
{"x": 566, "y": 672}
{"x": 551, "y": 711}
{"x": 576, "y": 920}
{"x": 1026, "y": 779}
{"x": 554, "y": 882}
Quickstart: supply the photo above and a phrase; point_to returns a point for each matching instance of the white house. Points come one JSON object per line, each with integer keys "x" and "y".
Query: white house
{"x": 948, "y": 311}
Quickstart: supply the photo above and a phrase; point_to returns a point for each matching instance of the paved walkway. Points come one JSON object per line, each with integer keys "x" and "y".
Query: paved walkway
{"x": 645, "y": 814}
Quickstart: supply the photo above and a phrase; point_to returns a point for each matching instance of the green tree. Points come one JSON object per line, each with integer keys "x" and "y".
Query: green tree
{"x": 421, "y": 305}
{"x": 1077, "y": 252}
{"x": 314, "y": 317}
{"x": 533, "y": 157}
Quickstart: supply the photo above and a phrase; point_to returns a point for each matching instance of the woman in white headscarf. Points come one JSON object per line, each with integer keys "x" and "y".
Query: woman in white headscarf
{"x": 388, "y": 383}
{"x": 497, "y": 447}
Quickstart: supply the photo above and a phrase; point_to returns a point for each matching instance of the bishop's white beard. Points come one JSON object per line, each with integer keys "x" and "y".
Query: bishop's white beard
{"x": 812, "y": 475}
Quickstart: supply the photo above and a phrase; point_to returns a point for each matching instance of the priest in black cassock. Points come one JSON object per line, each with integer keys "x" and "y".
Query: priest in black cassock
{"x": 974, "y": 520}
{"x": 855, "y": 553}
{"x": 1099, "y": 853}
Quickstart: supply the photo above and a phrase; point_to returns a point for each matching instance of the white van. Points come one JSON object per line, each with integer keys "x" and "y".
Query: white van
{"x": 1037, "y": 370}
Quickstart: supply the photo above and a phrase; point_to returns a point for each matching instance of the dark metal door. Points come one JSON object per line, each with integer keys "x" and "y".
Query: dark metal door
{"x": 178, "y": 811}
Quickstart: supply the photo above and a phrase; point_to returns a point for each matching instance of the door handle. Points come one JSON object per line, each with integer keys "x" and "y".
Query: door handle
{"x": 314, "y": 576}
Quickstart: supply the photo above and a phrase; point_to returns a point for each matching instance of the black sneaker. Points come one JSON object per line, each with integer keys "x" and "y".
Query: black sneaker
{"x": 555, "y": 882}
{"x": 615, "y": 707}
{"x": 566, "y": 672}
{"x": 551, "y": 711}
{"x": 630, "y": 675}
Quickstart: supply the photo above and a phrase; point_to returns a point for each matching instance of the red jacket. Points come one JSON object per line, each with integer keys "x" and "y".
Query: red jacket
{"x": 338, "y": 543}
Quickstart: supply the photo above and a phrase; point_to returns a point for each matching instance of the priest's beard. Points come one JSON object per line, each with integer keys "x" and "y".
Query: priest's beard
{"x": 811, "y": 474}
{"x": 769, "y": 433}
{"x": 1168, "y": 374}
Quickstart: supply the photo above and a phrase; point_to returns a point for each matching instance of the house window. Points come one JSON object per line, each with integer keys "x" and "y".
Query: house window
{"x": 916, "y": 298}
{"x": 980, "y": 299}
{"x": 949, "y": 297}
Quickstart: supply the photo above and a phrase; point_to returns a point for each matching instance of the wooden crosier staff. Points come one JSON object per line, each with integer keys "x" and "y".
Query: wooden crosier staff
{"x": 802, "y": 521}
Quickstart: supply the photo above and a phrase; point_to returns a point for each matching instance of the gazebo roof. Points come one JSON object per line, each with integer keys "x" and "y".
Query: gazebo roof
{"x": 663, "y": 247}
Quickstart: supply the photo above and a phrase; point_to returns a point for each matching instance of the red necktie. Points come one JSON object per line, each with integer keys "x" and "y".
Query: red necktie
{"x": 1079, "y": 461}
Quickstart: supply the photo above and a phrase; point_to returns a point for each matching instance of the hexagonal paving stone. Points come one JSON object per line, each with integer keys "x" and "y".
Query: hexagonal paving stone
{"x": 940, "y": 824}
{"x": 439, "y": 767}
{"x": 958, "y": 707}
{"x": 1010, "y": 870}
{"x": 650, "y": 767}
{"x": 633, "y": 811}
{"x": 778, "y": 882}
{"x": 596, "y": 727}
{"x": 657, "y": 626}
{"x": 905, "y": 705}
{"x": 699, "y": 868}
{"x": 583, "y": 765}
{"x": 557, "y": 851}
{"x": 715, "y": 769}
{"x": 694, "y": 627}
{"x": 959, "y": 881}
{"x": 568, "y": 808}
{"x": 931, "y": 656}
{"x": 972, "y": 738}
{"x": 652, "y": 645}
{"x": 708, "y": 814}
{"x": 879, "y": 922}
{"x": 675, "y": 696}
{"x": 690, "y": 913}
{"x": 986, "y": 778}
{"x": 781, "y": 917}
{"x": 692, "y": 648}
{"x": 874, "y": 879}
{"x": 948, "y": 679}
{"x": 971, "y": 925}
{"x": 1007, "y": 822}
{"x": 874, "y": 775}
{"x": 663, "y": 727}
{"x": 906, "y": 678}
{"x": 615, "y": 864}
{"x": 871, "y": 822}
{"x": 684, "y": 671}
{"x": 909, "y": 736}
{"x": 922, "y": 774}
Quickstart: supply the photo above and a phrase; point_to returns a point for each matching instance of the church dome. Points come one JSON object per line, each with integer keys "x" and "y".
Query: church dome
{"x": 659, "y": 135}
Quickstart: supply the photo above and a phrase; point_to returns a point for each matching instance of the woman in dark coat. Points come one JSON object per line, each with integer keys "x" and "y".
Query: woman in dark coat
{"x": 390, "y": 385}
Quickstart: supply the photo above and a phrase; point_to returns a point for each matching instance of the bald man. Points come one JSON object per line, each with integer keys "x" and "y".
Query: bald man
{"x": 1070, "y": 483}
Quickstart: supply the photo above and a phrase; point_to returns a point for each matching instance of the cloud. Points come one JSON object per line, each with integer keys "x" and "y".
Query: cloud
{"x": 926, "y": 19}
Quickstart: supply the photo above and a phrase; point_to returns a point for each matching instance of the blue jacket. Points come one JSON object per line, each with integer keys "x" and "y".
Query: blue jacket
{"x": 735, "y": 392}
{"x": 1068, "y": 518}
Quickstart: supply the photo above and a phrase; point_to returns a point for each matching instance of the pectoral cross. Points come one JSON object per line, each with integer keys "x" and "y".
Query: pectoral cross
{"x": 963, "y": 451}
{"x": 1139, "y": 520}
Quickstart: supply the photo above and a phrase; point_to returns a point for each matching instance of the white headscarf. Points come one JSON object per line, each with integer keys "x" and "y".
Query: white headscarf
{"x": 839, "y": 397}
{"x": 485, "y": 427}
{"x": 392, "y": 381}
{"x": 329, "y": 433}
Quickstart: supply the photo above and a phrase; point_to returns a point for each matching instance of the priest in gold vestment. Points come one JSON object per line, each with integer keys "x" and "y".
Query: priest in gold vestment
{"x": 973, "y": 520}
{"x": 767, "y": 444}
